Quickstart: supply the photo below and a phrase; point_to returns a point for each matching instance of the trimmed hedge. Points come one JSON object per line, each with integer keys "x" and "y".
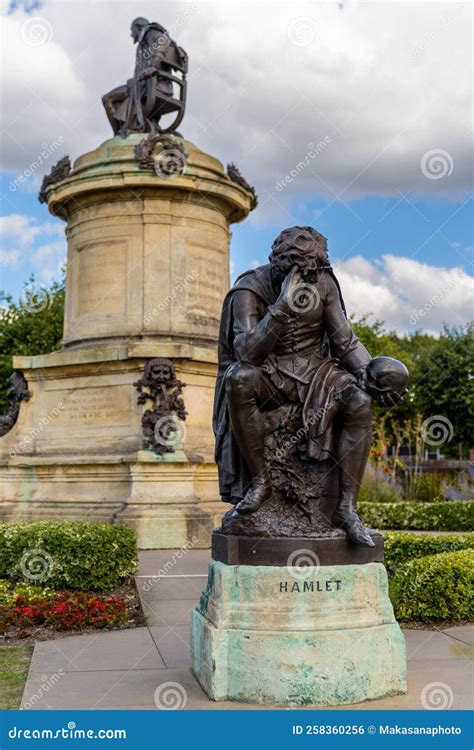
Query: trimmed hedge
{"x": 401, "y": 547}
{"x": 67, "y": 554}
{"x": 437, "y": 587}
{"x": 445, "y": 516}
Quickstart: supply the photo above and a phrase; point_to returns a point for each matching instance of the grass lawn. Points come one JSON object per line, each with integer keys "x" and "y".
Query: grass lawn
{"x": 14, "y": 663}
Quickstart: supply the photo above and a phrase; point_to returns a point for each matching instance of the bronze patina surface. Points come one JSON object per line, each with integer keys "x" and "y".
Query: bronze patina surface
{"x": 293, "y": 404}
{"x": 283, "y": 551}
{"x": 158, "y": 86}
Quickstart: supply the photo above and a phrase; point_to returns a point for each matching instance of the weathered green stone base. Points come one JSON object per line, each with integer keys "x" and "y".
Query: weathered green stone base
{"x": 267, "y": 635}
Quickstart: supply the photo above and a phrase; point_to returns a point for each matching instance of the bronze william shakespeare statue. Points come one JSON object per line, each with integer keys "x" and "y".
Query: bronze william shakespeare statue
{"x": 158, "y": 86}
{"x": 285, "y": 341}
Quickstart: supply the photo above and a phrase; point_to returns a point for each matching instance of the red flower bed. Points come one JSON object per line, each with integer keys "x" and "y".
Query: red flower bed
{"x": 69, "y": 611}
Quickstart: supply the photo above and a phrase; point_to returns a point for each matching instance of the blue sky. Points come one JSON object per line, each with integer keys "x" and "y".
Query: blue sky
{"x": 434, "y": 231}
{"x": 438, "y": 232}
{"x": 389, "y": 102}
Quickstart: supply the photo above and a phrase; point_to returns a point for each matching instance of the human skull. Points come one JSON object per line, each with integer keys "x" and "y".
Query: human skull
{"x": 387, "y": 377}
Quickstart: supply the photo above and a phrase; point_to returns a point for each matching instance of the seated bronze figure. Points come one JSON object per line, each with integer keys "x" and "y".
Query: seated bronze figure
{"x": 286, "y": 345}
{"x": 158, "y": 86}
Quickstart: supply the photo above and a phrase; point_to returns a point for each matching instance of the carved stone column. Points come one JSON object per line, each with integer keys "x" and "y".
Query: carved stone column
{"x": 148, "y": 251}
{"x": 147, "y": 225}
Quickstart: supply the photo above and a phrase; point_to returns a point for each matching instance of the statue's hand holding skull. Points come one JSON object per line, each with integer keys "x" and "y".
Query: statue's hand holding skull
{"x": 386, "y": 379}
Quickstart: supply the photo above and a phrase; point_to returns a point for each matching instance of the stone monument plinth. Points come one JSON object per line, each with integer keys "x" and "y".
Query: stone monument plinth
{"x": 147, "y": 267}
{"x": 297, "y": 636}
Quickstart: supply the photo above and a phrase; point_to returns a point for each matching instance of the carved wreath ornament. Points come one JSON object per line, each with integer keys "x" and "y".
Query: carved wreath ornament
{"x": 169, "y": 161}
{"x": 162, "y": 423}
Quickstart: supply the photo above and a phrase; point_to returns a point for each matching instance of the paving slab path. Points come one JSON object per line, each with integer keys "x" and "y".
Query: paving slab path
{"x": 132, "y": 669}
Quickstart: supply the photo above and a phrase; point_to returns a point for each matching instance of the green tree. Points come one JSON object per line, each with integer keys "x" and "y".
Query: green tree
{"x": 447, "y": 384}
{"x": 441, "y": 377}
{"x": 379, "y": 341}
{"x": 32, "y": 325}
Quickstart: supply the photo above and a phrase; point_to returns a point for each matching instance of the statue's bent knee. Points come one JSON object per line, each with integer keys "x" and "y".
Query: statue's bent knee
{"x": 241, "y": 379}
{"x": 359, "y": 403}
{"x": 108, "y": 103}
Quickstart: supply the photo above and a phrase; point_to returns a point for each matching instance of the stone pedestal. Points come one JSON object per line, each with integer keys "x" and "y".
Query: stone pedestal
{"x": 147, "y": 270}
{"x": 76, "y": 450}
{"x": 297, "y": 636}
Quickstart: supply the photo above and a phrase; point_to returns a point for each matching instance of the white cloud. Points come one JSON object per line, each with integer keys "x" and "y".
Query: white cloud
{"x": 19, "y": 228}
{"x": 49, "y": 259}
{"x": 43, "y": 245}
{"x": 23, "y": 230}
{"x": 406, "y": 294}
{"x": 41, "y": 89}
{"x": 266, "y": 79}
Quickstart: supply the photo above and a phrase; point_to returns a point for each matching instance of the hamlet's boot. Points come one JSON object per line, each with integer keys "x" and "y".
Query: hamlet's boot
{"x": 260, "y": 490}
{"x": 347, "y": 518}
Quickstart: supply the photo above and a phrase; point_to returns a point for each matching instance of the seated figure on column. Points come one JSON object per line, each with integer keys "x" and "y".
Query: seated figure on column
{"x": 160, "y": 68}
{"x": 285, "y": 339}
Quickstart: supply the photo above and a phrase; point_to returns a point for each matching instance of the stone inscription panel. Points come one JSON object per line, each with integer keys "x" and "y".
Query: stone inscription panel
{"x": 96, "y": 406}
{"x": 203, "y": 271}
{"x": 210, "y": 283}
